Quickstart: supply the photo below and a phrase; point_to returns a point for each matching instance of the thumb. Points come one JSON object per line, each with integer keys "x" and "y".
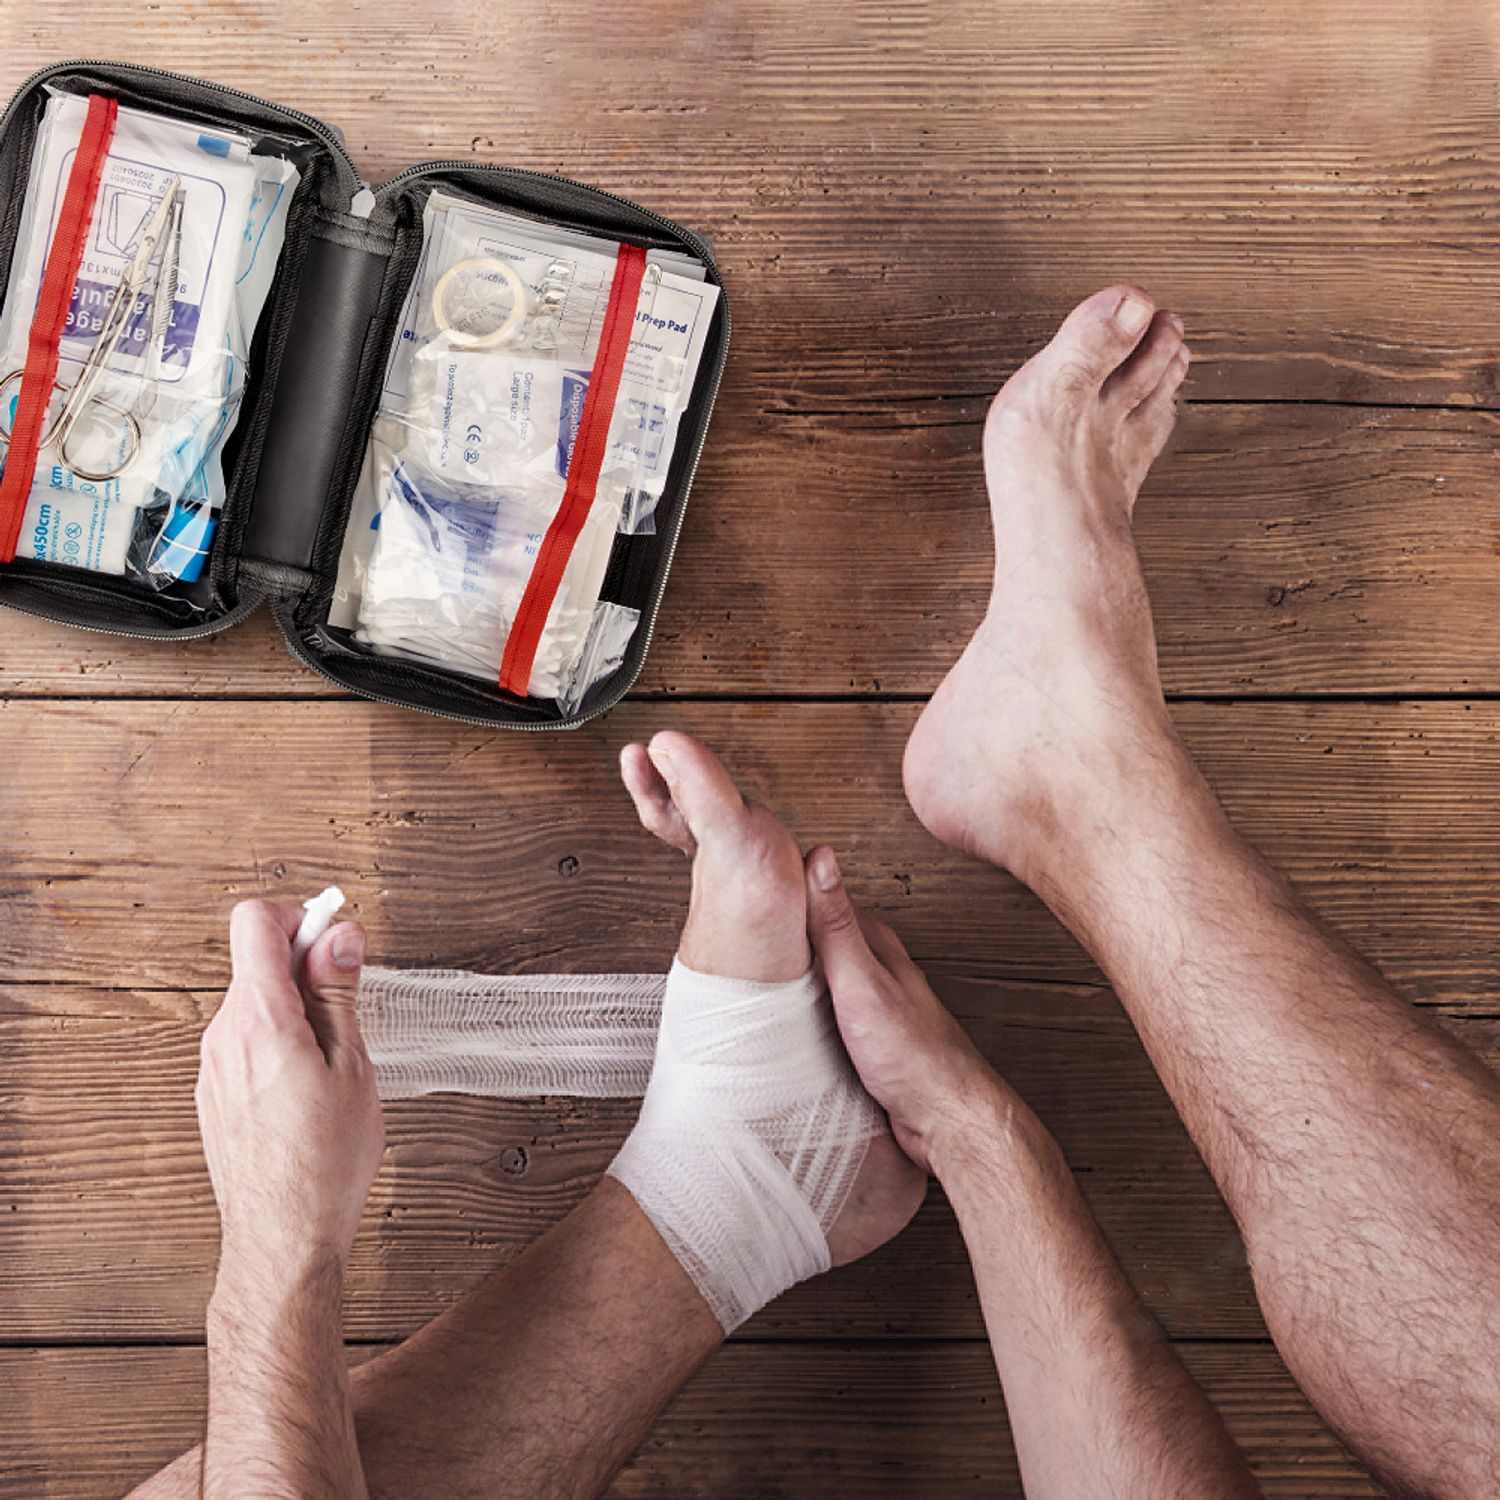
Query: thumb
{"x": 330, "y": 986}
{"x": 834, "y": 927}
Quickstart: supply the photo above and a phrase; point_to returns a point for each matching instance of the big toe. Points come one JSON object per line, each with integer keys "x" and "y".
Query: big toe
{"x": 1097, "y": 337}
{"x": 701, "y": 789}
{"x": 748, "y": 918}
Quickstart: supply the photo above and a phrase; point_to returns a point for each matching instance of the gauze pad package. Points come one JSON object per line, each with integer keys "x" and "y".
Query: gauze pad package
{"x": 753, "y": 1126}
{"x": 483, "y": 428}
{"x": 142, "y": 466}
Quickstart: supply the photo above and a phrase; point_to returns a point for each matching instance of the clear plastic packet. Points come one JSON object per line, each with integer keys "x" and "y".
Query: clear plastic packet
{"x": 468, "y": 458}
{"x": 133, "y": 488}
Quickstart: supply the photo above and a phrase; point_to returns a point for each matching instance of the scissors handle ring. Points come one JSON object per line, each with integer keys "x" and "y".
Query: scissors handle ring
{"x": 61, "y": 430}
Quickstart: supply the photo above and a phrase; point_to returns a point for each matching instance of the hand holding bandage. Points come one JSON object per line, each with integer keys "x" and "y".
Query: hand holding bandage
{"x": 759, "y": 1156}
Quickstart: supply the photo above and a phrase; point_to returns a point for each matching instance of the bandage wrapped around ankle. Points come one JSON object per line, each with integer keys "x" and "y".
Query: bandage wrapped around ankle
{"x": 752, "y": 1131}
{"x": 754, "y": 1125}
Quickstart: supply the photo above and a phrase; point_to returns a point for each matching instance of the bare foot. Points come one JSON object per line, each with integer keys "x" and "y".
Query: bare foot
{"x": 1058, "y": 689}
{"x": 748, "y": 920}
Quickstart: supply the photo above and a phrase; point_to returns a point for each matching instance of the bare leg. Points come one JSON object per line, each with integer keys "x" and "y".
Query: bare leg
{"x": 545, "y": 1379}
{"x": 1099, "y": 1403}
{"x": 1357, "y": 1145}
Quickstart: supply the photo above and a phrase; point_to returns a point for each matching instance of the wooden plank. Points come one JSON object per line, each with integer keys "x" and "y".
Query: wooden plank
{"x": 131, "y": 827}
{"x": 806, "y": 1420}
{"x": 1288, "y": 549}
{"x": 108, "y": 1229}
{"x": 960, "y": 173}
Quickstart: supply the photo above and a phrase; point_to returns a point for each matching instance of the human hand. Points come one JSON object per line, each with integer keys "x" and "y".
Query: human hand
{"x": 916, "y": 1061}
{"x": 286, "y": 1099}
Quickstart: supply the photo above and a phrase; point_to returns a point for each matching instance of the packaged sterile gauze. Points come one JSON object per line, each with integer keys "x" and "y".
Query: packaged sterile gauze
{"x": 485, "y": 424}
{"x": 155, "y": 341}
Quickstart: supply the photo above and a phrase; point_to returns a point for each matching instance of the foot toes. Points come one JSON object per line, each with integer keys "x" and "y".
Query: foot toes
{"x": 1156, "y": 416}
{"x": 703, "y": 792}
{"x": 653, "y": 799}
{"x": 1149, "y": 361}
{"x": 748, "y": 914}
{"x": 1097, "y": 337}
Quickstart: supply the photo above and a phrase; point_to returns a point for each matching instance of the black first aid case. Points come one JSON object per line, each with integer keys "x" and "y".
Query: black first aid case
{"x": 311, "y": 383}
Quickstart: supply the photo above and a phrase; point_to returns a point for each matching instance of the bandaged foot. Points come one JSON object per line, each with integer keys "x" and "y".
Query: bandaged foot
{"x": 758, "y": 1156}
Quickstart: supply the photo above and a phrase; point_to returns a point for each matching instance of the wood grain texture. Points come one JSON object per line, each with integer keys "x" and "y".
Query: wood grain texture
{"x": 808, "y": 1421}
{"x": 108, "y": 1230}
{"x": 906, "y": 196}
{"x": 131, "y": 827}
{"x": 1301, "y": 549}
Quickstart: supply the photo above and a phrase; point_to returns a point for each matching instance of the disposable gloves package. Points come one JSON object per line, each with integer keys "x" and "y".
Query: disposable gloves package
{"x": 473, "y": 448}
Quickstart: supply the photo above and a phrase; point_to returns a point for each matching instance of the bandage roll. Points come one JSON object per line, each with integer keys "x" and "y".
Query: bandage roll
{"x": 479, "y": 303}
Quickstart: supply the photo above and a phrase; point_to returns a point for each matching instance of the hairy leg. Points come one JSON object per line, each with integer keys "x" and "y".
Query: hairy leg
{"x": 543, "y": 1380}
{"x": 1357, "y": 1145}
{"x": 1098, "y": 1400}
{"x": 546, "y": 1378}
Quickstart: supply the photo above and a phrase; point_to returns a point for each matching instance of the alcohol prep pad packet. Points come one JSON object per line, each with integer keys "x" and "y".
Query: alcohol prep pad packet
{"x": 479, "y": 413}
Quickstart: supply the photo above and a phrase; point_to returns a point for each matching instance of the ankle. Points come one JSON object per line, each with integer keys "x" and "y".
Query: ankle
{"x": 1095, "y": 811}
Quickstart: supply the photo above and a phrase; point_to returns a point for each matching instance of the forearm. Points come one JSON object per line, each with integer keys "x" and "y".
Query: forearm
{"x": 280, "y": 1419}
{"x": 572, "y": 1352}
{"x": 1099, "y": 1403}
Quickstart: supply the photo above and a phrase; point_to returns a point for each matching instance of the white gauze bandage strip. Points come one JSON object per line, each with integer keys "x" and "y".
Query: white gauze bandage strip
{"x": 754, "y": 1125}
{"x": 509, "y": 1036}
{"x": 752, "y": 1131}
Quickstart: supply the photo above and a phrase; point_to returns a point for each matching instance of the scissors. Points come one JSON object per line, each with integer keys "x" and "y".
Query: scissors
{"x": 165, "y": 220}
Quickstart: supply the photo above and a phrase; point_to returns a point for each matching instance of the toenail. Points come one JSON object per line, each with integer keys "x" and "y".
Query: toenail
{"x": 826, "y": 870}
{"x": 663, "y": 763}
{"x": 1133, "y": 314}
{"x": 1176, "y": 322}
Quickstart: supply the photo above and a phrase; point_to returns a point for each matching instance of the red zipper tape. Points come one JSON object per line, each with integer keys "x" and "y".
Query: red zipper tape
{"x": 44, "y": 342}
{"x": 583, "y": 472}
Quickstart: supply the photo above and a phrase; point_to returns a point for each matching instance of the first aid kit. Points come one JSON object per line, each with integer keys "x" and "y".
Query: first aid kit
{"x": 446, "y": 428}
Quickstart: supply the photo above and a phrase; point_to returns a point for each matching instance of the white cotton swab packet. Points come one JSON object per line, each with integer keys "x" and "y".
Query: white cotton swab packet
{"x": 320, "y": 912}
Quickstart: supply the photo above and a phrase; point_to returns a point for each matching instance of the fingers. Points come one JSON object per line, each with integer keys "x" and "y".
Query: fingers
{"x": 330, "y": 985}
{"x": 260, "y": 954}
{"x": 833, "y": 923}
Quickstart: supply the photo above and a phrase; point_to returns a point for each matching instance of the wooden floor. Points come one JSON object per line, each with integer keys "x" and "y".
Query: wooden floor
{"x": 905, "y": 197}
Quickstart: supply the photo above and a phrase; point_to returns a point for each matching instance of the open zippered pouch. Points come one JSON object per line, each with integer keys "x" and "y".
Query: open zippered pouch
{"x": 447, "y": 428}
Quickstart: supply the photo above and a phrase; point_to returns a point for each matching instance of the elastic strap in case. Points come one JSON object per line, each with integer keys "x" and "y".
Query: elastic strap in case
{"x": 53, "y": 306}
{"x": 583, "y": 472}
